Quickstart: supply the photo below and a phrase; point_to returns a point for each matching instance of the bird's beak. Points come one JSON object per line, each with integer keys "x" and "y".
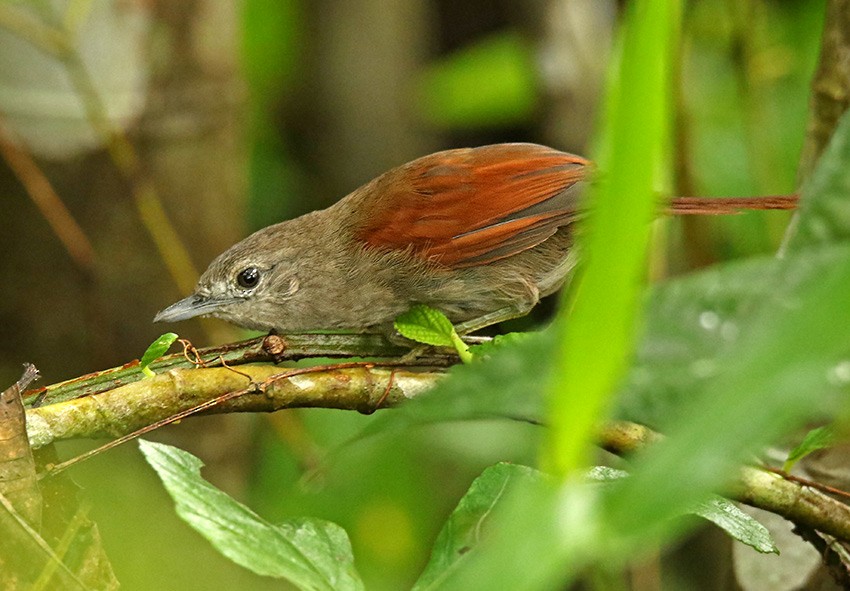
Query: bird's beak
{"x": 194, "y": 305}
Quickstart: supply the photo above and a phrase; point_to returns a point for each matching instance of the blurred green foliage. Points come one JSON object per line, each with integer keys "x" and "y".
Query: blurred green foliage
{"x": 490, "y": 83}
{"x": 273, "y": 43}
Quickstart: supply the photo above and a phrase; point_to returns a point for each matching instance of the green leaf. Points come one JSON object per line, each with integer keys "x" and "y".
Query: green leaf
{"x": 600, "y": 333}
{"x": 509, "y": 495}
{"x": 739, "y": 525}
{"x": 689, "y": 322}
{"x": 310, "y": 553}
{"x": 720, "y": 511}
{"x": 508, "y": 385}
{"x": 731, "y": 359}
{"x": 816, "y": 439}
{"x": 424, "y": 324}
{"x": 464, "y": 528}
{"x": 156, "y": 350}
{"x": 505, "y": 520}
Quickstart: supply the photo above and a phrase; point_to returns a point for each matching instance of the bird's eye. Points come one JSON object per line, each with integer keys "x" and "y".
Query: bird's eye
{"x": 248, "y": 278}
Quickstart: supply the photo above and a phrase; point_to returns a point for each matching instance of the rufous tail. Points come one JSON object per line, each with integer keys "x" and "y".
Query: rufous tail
{"x": 729, "y": 205}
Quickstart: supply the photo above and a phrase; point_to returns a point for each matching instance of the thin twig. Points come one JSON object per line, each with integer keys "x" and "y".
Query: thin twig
{"x": 810, "y": 483}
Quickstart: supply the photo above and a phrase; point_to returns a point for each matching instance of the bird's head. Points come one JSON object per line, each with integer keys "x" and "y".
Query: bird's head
{"x": 248, "y": 285}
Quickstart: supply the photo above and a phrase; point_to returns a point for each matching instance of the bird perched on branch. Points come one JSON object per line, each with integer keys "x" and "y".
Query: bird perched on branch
{"x": 478, "y": 233}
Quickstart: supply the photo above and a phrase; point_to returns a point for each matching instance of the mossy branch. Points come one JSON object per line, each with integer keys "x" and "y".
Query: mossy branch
{"x": 257, "y": 388}
{"x": 757, "y": 487}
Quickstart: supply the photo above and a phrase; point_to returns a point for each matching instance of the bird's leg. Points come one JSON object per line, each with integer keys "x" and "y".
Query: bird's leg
{"x": 501, "y": 315}
{"x": 516, "y": 310}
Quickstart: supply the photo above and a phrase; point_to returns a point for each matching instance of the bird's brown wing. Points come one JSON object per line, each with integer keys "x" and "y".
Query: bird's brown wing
{"x": 461, "y": 208}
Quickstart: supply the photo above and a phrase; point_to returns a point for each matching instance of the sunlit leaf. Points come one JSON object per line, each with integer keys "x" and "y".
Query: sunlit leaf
{"x": 816, "y": 439}
{"x": 427, "y": 325}
{"x": 156, "y": 350}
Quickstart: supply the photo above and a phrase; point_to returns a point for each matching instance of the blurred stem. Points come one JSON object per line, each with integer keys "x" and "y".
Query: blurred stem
{"x": 148, "y": 204}
{"x": 23, "y": 24}
{"x": 696, "y": 243}
{"x": 48, "y": 202}
{"x": 831, "y": 85}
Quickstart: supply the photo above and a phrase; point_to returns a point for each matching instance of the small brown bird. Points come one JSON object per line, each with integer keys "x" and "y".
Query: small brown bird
{"x": 479, "y": 233}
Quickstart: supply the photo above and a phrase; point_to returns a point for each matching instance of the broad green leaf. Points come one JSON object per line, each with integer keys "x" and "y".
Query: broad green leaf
{"x": 689, "y": 322}
{"x": 424, "y": 324}
{"x": 693, "y": 321}
{"x": 508, "y": 385}
{"x": 816, "y": 439}
{"x": 310, "y": 553}
{"x": 466, "y": 524}
{"x": 156, "y": 350}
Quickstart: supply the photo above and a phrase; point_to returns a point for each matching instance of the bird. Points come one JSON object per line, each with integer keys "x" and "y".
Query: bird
{"x": 481, "y": 234}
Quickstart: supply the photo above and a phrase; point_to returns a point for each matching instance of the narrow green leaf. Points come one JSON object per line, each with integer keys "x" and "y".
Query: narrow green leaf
{"x": 156, "y": 350}
{"x": 424, "y": 324}
{"x": 311, "y": 554}
{"x": 466, "y": 524}
{"x": 816, "y": 439}
{"x": 600, "y": 333}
